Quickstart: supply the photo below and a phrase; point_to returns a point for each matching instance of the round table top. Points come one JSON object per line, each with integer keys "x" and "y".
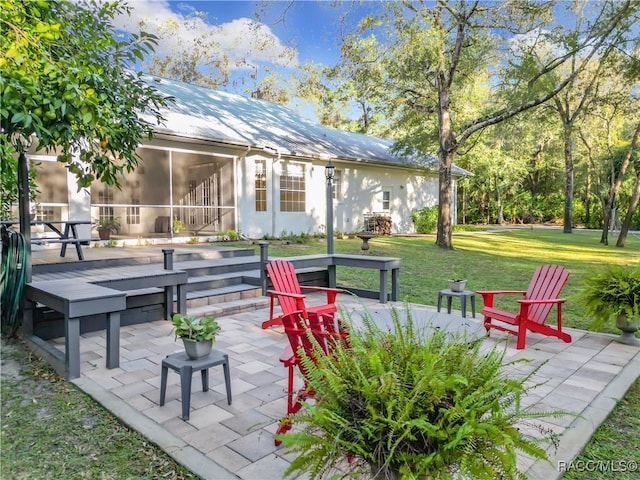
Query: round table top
{"x": 448, "y": 291}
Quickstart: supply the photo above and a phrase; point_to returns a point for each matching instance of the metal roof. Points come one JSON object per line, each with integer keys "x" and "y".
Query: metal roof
{"x": 201, "y": 112}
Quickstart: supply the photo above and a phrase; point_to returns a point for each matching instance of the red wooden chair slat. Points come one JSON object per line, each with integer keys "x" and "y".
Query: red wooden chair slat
{"x": 545, "y": 287}
{"x": 326, "y": 330}
{"x": 290, "y": 295}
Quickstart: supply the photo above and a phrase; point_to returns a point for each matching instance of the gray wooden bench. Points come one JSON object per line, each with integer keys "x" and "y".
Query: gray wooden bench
{"x": 75, "y": 300}
{"x": 384, "y": 265}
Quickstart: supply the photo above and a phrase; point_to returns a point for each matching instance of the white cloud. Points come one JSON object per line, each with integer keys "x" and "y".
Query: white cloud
{"x": 242, "y": 40}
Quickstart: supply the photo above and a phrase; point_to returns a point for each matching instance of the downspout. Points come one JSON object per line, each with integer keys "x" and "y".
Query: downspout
{"x": 236, "y": 176}
{"x": 273, "y": 193}
{"x": 171, "y": 194}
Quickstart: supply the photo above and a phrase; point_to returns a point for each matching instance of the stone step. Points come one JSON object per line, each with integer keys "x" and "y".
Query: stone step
{"x": 230, "y": 308}
{"x": 229, "y": 293}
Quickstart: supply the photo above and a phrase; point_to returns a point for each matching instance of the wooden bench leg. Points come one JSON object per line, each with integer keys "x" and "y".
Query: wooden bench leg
{"x": 113, "y": 340}
{"x": 182, "y": 299}
{"x": 395, "y": 284}
{"x": 168, "y": 302}
{"x": 72, "y": 347}
{"x": 383, "y": 286}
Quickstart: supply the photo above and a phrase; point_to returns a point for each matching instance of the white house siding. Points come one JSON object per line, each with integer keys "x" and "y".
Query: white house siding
{"x": 148, "y": 190}
{"x": 361, "y": 188}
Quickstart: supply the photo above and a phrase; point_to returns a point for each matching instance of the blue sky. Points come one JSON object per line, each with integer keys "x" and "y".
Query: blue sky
{"x": 310, "y": 27}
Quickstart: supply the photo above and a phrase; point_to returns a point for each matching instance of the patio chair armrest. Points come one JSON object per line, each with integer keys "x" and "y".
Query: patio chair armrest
{"x": 332, "y": 293}
{"x": 287, "y": 356}
{"x": 487, "y": 295}
{"x": 535, "y": 302}
{"x": 275, "y": 293}
{"x": 501, "y": 292}
{"x": 323, "y": 289}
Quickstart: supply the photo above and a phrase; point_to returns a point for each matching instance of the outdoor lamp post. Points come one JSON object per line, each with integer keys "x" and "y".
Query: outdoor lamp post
{"x": 329, "y": 171}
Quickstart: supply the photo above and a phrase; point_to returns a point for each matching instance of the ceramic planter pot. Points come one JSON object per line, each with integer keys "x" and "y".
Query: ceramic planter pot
{"x": 197, "y": 349}
{"x": 104, "y": 233}
{"x": 628, "y": 329}
{"x": 457, "y": 285}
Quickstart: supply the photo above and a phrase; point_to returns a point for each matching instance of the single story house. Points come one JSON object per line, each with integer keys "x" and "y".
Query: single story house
{"x": 224, "y": 162}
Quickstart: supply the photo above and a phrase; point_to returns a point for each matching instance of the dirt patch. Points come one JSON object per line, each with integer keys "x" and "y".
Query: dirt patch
{"x": 10, "y": 353}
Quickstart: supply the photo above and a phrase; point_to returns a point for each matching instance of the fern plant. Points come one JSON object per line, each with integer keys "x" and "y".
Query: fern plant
{"x": 412, "y": 403}
{"x": 613, "y": 291}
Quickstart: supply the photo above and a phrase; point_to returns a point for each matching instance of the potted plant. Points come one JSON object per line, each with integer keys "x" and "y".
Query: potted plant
{"x": 177, "y": 226}
{"x": 614, "y": 292}
{"x": 458, "y": 282}
{"x": 404, "y": 402}
{"x": 197, "y": 334}
{"x": 106, "y": 226}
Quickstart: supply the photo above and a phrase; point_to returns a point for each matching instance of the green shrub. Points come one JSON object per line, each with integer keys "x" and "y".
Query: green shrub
{"x": 230, "y": 236}
{"x": 426, "y": 220}
{"x": 413, "y": 404}
{"x": 610, "y": 292}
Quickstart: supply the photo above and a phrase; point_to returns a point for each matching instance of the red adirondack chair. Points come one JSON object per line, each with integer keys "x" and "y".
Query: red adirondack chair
{"x": 326, "y": 330}
{"x": 542, "y": 294}
{"x": 289, "y": 293}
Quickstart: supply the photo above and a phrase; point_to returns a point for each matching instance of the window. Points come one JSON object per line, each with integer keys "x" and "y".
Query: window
{"x": 337, "y": 185}
{"x": 133, "y": 213}
{"x": 261, "y": 186}
{"x": 105, "y": 196}
{"x": 386, "y": 200}
{"x": 292, "y": 189}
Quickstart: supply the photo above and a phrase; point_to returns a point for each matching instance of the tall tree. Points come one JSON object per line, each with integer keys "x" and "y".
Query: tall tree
{"x": 633, "y": 204}
{"x": 227, "y": 56}
{"x": 66, "y": 84}
{"x": 431, "y": 50}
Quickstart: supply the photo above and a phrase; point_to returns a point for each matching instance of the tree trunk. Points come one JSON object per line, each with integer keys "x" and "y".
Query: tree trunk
{"x": 446, "y": 153}
{"x": 587, "y": 199}
{"x": 616, "y": 185}
{"x": 443, "y": 239}
{"x": 500, "y": 217}
{"x": 633, "y": 204}
{"x": 568, "y": 181}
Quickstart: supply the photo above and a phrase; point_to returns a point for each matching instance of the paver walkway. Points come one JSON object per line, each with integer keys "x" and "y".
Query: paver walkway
{"x": 219, "y": 441}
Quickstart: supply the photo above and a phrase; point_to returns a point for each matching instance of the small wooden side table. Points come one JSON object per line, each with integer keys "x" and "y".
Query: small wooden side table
{"x": 447, "y": 292}
{"x": 184, "y": 366}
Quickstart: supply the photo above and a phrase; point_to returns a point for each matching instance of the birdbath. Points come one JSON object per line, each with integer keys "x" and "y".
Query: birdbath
{"x": 365, "y": 236}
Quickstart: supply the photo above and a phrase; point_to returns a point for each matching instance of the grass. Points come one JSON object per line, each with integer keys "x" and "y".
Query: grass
{"x": 489, "y": 260}
{"x": 52, "y": 430}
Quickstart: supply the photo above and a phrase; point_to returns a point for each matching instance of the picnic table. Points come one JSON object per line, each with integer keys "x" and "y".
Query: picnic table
{"x": 66, "y": 232}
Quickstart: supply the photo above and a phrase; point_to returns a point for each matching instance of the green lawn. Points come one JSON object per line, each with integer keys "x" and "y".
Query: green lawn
{"x": 50, "y": 429}
{"x": 503, "y": 259}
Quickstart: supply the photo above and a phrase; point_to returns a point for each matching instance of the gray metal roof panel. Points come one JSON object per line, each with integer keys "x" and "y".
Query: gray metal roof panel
{"x": 221, "y": 116}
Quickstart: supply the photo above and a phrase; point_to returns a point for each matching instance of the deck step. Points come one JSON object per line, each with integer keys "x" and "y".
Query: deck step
{"x": 229, "y": 293}
{"x": 230, "y": 308}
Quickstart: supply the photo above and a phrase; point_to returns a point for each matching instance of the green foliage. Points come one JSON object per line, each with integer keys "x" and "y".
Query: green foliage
{"x": 112, "y": 224}
{"x": 413, "y": 402}
{"x": 192, "y": 328}
{"x": 613, "y": 291}
{"x": 65, "y": 80}
{"x": 177, "y": 226}
{"x": 426, "y": 220}
{"x": 230, "y": 236}
{"x": 9, "y": 180}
